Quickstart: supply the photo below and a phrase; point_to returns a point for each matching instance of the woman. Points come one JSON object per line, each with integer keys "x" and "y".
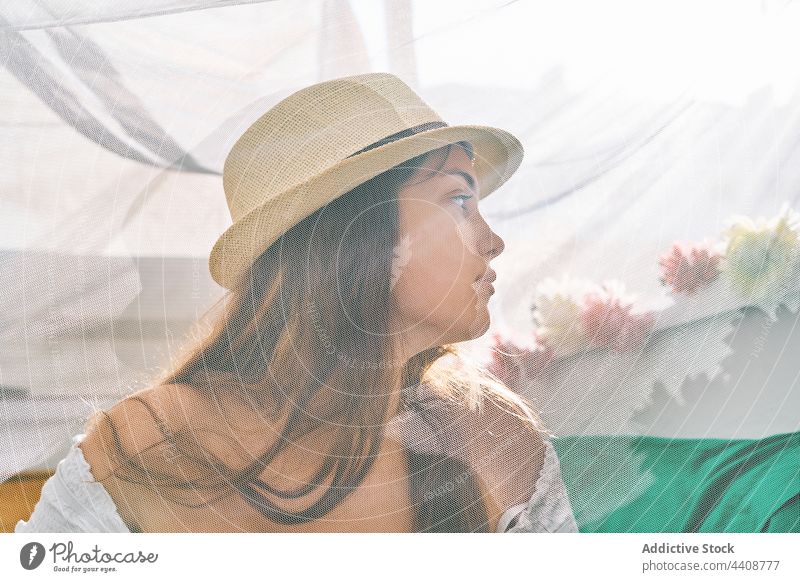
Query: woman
{"x": 328, "y": 395}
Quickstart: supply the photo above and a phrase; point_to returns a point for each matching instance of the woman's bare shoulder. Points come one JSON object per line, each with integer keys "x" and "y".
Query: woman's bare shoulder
{"x": 111, "y": 436}
{"x": 133, "y": 423}
{"x": 141, "y": 421}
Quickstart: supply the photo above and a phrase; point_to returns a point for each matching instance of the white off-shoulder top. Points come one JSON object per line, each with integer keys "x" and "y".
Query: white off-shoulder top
{"x": 548, "y": 509}
{"x": 72, "y": 501}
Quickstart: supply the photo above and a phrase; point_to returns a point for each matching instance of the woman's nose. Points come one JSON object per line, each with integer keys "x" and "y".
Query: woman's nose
{"x": 497, "y": 244}
{"x": 491, "y": 244}
{"x": 482, "y": 240}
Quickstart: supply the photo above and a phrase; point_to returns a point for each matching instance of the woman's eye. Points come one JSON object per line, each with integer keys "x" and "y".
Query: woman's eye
{"x": 464, "y": 196}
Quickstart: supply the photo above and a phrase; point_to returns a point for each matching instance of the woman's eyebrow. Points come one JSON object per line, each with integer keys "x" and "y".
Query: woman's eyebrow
{"x": 467, "y": 178}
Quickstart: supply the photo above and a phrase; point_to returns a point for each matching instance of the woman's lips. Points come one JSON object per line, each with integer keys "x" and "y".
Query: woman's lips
{"x": 488, "y": 276}
{"x": 485, "y": 286}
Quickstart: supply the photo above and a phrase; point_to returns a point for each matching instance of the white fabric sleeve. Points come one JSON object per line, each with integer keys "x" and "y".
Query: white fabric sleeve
{"x": 72, "y": 501}
{"x": 548, "y": 509}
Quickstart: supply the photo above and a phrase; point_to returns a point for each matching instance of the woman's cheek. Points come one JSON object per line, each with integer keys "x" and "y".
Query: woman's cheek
{"x": 468, "y": 237}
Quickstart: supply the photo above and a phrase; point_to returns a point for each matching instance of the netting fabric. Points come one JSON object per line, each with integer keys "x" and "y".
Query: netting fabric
{"x": 647, "y": 253}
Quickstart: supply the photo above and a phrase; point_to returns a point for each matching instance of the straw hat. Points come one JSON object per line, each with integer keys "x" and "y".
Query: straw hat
{"x": 324, "y": 140}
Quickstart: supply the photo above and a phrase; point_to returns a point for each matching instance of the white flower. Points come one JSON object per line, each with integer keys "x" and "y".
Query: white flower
{"x": 762, "y": 258}
{"x": 557, "y": 311}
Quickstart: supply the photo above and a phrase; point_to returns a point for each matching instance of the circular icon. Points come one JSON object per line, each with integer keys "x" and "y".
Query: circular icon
{"x": 31, "y": 555}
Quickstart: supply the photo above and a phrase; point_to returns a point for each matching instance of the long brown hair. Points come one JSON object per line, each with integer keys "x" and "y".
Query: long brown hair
{"x": 302, "y": 340}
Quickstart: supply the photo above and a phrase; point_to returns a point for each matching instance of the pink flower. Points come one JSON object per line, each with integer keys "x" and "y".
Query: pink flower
{"x": 688, "y": 266}
{"x": 607, "y": 320}
{"x": 514, "y": 364}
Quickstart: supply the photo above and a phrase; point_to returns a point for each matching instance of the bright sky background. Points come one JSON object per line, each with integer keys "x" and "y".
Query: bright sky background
{"x": 726, "y": 49}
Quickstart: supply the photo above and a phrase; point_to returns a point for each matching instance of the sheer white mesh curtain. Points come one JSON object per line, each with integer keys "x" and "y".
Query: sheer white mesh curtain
{"x": 643, "y": 124}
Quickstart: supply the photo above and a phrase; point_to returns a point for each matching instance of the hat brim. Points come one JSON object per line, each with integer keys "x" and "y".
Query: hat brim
{"x": 498, "y": 154}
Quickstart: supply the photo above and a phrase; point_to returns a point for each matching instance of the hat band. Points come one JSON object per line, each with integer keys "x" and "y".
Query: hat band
{"x": 401, "y": 134}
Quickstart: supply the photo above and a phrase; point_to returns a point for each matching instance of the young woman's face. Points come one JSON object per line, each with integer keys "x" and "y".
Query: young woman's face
{"x": 444, "y": 247}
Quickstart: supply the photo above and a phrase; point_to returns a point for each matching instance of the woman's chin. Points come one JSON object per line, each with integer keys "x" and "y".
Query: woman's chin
{"x": 480, "y": 325}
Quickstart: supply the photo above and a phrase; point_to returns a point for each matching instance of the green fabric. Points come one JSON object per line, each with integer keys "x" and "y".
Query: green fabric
{"x": 786, "y": 519}
{"x": 636, "y": 483}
